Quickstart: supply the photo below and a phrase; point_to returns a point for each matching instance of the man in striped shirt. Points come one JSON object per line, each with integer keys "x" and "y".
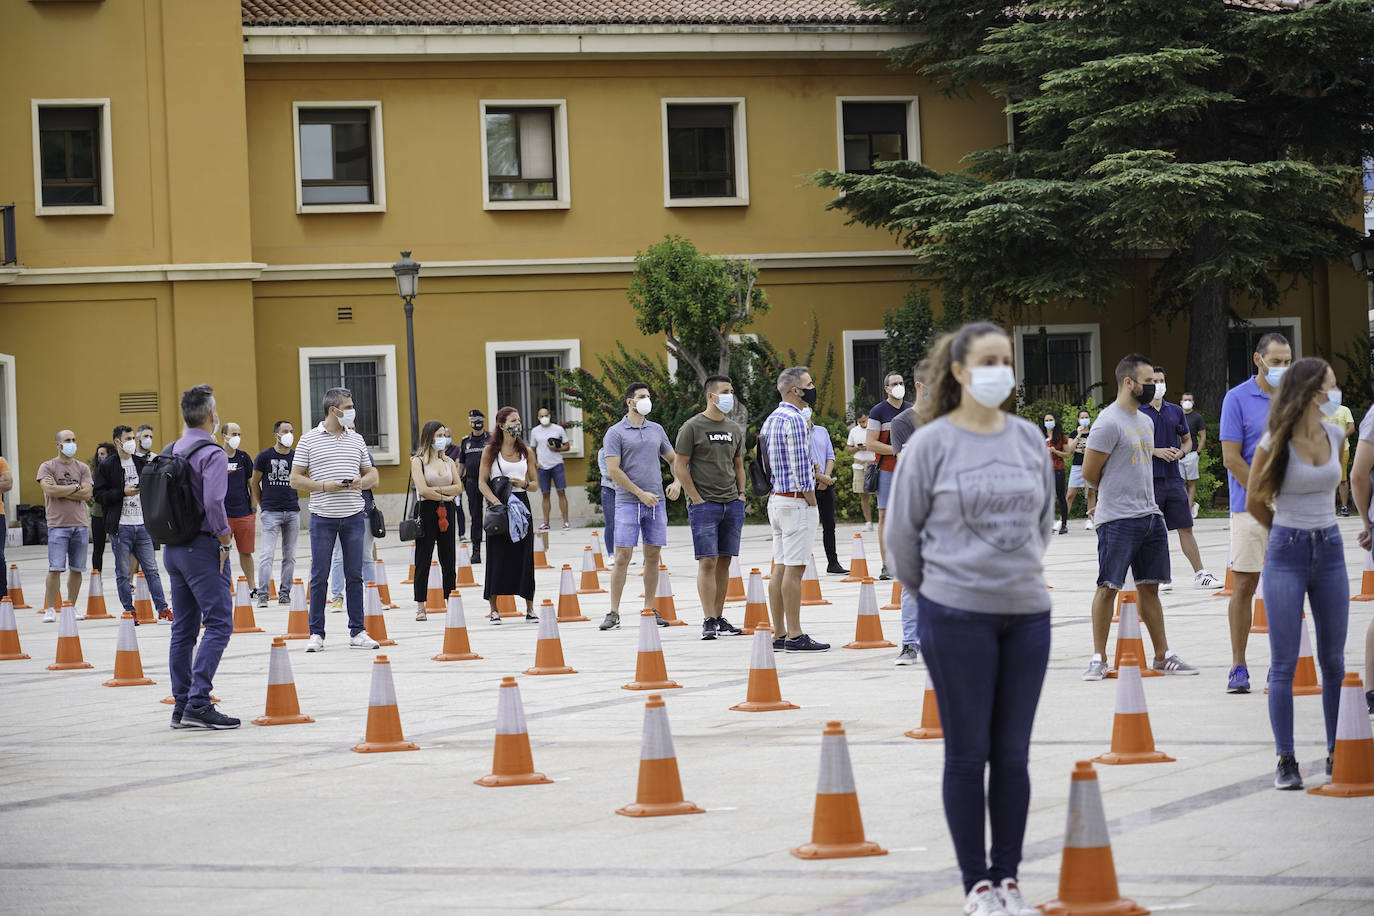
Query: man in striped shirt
{"x": 792, "y": 513}
{"x": 333, "y": 465}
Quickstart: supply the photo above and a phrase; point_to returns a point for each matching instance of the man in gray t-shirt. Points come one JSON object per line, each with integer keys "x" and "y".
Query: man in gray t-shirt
{"x": 1130, "y": 528}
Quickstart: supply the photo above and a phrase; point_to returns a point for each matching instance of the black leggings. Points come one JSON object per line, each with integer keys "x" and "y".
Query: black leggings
{"x": 825, "y": 506}
{"x": 1061, "y": 480}
{"x": 97, "y": 543}
{"x": 430, "y": 538}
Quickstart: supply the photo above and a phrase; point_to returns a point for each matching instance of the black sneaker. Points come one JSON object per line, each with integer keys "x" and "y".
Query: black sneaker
{"x": 835, "y": 569}
{"x": 1330, "y": 764}
{"x": 659, "y": 620}
{"x": 284, "y": 599}
{"x": 176, "y": 718}
{"x": 725, "y": 627}
{"x": 262, "y": 597}
{"x": 1286, "y": 775}
{"x": 804, "y": 643}
{"x": 476, "y": 558}
{"x": 206, "y": 717}
{"x": 708, "y": 628}
{"x": 1369, "y": 700}
{"x": 1345, "y": 512}
{"x": 612, "y": 622}
{"x": 779, "y": 643}
{"x": 883, "y": 575}
{"x": 495, "y": 618}
{"x": 531, "y": 616}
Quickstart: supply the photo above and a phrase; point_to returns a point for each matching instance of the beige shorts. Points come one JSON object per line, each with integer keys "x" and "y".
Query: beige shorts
{"x": 858, "y": 480}
{"x": 1248, "y": 542}
{"x": 794, "y": 529}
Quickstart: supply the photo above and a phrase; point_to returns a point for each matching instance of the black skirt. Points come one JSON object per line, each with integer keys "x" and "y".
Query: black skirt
{"x": 510, "y": 564}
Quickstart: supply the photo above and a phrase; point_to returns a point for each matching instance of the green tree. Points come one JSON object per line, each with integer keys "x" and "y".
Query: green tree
{"x": 912, "y": 327}
{"x": 1218, "y": 142}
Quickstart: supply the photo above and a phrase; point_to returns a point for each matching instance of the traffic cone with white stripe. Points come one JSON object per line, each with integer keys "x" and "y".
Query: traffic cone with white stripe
{"x": 298, "y": 617}
{"x": 95, "y": 598}
{"x": 598, "y": 556}
{"x": 410, "y": 576}
{"x": 837, "y": 829}
{"x": 272, "y": 590}
{"x": 374, "y": 621}
{"x": 456, "y": 645}
{"x": 858, "y": 563}
{"x": 811, "y": 584}
{"x": 930, "y": 715}
{"x": 511, "y": 764}
{"x": 664, "y": 603}
{"x": 764, "y": 694}
{"x": 128, "y": 668}
{"x": 541, "y": 550}
{"x": 1087, "y": 874}
{"x": 1366, "y": 579}
{"x": 1229, "y": 587}
{"x": 383, "y": 589}
{"x": 735, "y": 590}
{"x": 1130, "y": 642}
{"x": 465, "y": 577}
{"x": 283, "y": 707}
{"x": 434, "y": 594}
{"x": 589, "y": 585}
{"x": 1132, "y": 739}
{"x": 896, "y": 603}
{"x": 868, "y": 629}
{"x": 143, "y": 601}
{"x": 505, "y": 606}
{"x": 68, "y": 642}
{"x": 244, "y": 622}
{"x": 1127, "y": 595}
{"x": 1305, "y": 682}
{"x": 651, "y": 671}
{"x": 1352, "y": 770}
{"x": 10, "y": 649}
{"x": 569, "y": 610}
{"x": 548, "y": 649}
{"x": 755, "y": 605}
{"x": 15, "y": 586}
{"x": 1259, "y": 618}
{"x": 660, "y": 786}
{"x": 383, "y": 715}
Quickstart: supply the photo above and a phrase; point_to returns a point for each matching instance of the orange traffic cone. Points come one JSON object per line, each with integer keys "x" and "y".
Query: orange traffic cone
{"x": 1127, "y": 595}
{"x": 837, "y": 829}
{"x": 930, "y": 715}
{"x": 1132, "y": 739}
{"x": 858, "y": 563}
{"x": 664, "y": 602}
{"x": 68, "y": 642}
{"x": 651, "y": 671}
{"x": 1305, "y": 682}
{"x": 1366, "y": 580}
{"x": 597, "y": 555}
{"x": 896, "y": 603}
{"x": 811, "y": 584}
{"x": 283, "y": 708}
{"x": 1129, "y": 642}
{"x": 410, "y": 576}
{"x": 764, "y": 694}
{"x": 569, "y": 609}
{"x": 541, "y": 551}
{"x": 128, "y": 669}
{"x": 1352, "y": 770}
{"x": 590, "y": 585}
{"x": 374, "y": 621}
{"x": 660, "y": 786}
{"x": 244, "y": 621}
{"x": 383, "y": 589}
{"x": 548, "y": 650}
{"x": 868, "y": 629}
{"x": 272, "y": 590}
{"x": 9, "y": 632}
{"x": 465, "y": 577}
{"x": 1229, "y": 587}
{"x": 505, "y": 606}
{"x": 511, "y": 764}
{"x": 143, "y": 601}
{"x": 772, "y": 563}
{"x": 1259, "y": 619}
{"x": 95, "y": 598}
{"x": 434, "y": 594}
{"x": 171, "y": 701}
{"x": 735, "y": 591}
{"x": 298, "y": 617}
{"x": 755, "y": 604}
{"x": 15, "y": 587}
{"x": 1087, "y": 874}
{"x": 383, "y": 716}
{"x": 456, "y": 645}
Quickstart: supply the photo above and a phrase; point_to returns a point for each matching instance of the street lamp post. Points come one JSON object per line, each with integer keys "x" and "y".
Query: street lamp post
{"x": 408, "y": 285}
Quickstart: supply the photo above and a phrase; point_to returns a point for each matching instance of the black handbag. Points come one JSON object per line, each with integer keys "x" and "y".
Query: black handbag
{"x": 496, "y": 519}
{"x": 871, "y": 478}
{"x": 410, "y": 523}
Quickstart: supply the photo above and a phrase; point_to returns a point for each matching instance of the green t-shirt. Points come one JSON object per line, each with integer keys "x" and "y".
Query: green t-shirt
{"x": 712, "y": 447}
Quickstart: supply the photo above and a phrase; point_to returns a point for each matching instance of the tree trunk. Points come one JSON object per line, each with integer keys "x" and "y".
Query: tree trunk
{"x": 1209, "y": 311}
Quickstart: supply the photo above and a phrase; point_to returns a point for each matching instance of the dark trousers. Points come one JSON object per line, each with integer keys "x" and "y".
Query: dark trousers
{"x": 608, "y": 513}
{"x": 987, "y": 670}
{"x": 430, "y": 538}
{"x": 476, "y": 510}
{"x": 4, "y": 568}
{"x": 200, "y": 593}
{"x": 1061, "y": 481}
{"x": 97, "y": 543}
{"x": 825, "y": 504}
{"x": 350, "y": 532}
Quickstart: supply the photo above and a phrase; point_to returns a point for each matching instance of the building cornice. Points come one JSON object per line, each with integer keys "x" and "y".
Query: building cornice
{"x": 132, "y": 273}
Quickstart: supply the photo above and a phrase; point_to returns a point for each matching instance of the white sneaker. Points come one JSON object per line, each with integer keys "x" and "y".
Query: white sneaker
{"x": 1195, "y": 508}
{"x": 1012, "y": 901}
{"x": 870, "y": 527}
{"x": 315, "y": 643}
{"x": 363, "y": 641}
{"x": 1204, "y": 579}
{"x": 983, "y": 900}
{"x": 1097, "y": 669}
{"x": 49, "y": 616}
{"x": 1088, "y": 525}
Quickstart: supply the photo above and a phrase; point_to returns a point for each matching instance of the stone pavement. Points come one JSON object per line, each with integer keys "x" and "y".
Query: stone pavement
{"x": 102, "y": 806}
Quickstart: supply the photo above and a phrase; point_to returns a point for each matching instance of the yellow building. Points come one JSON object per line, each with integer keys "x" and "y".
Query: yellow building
{"x": 214, "y": 193}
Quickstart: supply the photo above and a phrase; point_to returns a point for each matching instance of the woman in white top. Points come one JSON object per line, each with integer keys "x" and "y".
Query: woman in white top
{"x": 436, "y": 486}
{"x": 510, "y": 565}
{"x": 858, "y": 435}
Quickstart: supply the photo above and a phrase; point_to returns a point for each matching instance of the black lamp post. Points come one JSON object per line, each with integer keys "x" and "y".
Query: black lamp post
{"x": 408, "y": 284}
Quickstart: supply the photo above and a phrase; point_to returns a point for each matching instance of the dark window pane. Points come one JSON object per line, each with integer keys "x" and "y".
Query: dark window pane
{"x": 867, "y": 358}
{"x": 873, "y": 132}
{"x": 352, "y": 152}
{"x": 701, "y": 151}
{"x": 336, "y": 155}
{"x": 1057, "y": 366}
{"x": 52, "y": 145}
{"x": 875, "y": 117}
{"x": 364, "y": 379}
{"x": 682, "y": 150}
{"x": 81, "y": 151}
{"x": 522, "y": 382}
{"x": 715, "y": 149}
{"x": 689, "y": 116}
{"x": 69, "y": 155}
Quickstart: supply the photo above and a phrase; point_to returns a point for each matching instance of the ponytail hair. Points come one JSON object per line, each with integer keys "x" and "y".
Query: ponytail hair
{"x": 949, "y": 349}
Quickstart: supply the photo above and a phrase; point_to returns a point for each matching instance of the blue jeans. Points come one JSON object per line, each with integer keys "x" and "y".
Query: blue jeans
{"x": 608, "y": 513}
{"x": 286, "y": 527}
{"x": 716, "y": 528}
{"x": 911, "y": 615}
{"x": 134, "y": 539}
{"x": 336, "y": 568}
{"x": 1305, "y": 563}
{"x": 987, "y": 670}
{"x": 884, "y": 487}
{"x": 200, "y": 592}
{"x": 350, "y": 532}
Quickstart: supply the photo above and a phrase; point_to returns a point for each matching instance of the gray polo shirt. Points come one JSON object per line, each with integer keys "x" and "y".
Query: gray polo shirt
{"x": 638, "y": 448}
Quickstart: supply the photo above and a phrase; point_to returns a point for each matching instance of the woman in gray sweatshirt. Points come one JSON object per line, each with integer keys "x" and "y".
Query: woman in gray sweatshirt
{"x": 968, "y": 522}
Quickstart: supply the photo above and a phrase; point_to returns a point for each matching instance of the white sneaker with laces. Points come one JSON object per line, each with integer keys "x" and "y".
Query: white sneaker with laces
{"x": 983, "y": 900}
{"x": 315, "y": 644}
{"x": 49, "y": 616}
{"x": 1204, "y": 579}
{"x": 1097, "y": 669}
{"x": 1012, "y": 901}
{"x": 1088, "y": 525}
{"x": 363, "y": 641}
{"x": 1195, "y": 507}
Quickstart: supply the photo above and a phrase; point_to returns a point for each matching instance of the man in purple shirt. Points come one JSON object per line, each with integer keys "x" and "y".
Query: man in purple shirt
{"x": 199, "y": 572}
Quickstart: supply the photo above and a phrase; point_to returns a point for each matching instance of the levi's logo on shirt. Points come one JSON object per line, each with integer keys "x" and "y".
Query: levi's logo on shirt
{"x": 721, "y": 437}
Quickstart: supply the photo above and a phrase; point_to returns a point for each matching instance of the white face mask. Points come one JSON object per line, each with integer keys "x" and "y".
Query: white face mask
{"x": 1049, "y": 424}
{"x": 1332, "y": 403}
{"x": 286, "y": 439}
{"x": 899, "y": 391}
{"x": 1187, "y": 405}
{"x": 544, "y": 421}
{"x": 1159, "y": 391}
{"x": 129, "y": 446}
{"x": 441, "y": 443}
{"x": 348, "y": 417}
{"x": 68, "y": 449}
{"x": 725, "y": 403}
{"x": 806, "y": 413}
{"x": 1084, "y": 422}
{"x": 991, "y": 385}
{"x": 234, "y": 441}
{"x": 146, "y": 442}
{"x": 644, "y": 405}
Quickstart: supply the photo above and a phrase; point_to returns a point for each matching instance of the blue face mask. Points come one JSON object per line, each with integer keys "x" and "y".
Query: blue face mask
{"x": 806, "y": 413}
{"x": 441, "y": 443}
{"x": 1273, "y": 374}
{"x": 1331, "y": 404}
{"x": 726, "y": 403}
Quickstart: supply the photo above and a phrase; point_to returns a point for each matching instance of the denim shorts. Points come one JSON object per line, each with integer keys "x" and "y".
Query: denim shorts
{"x": 716, "y": 528}
{"x": 554, "y": 477}
{"x": 67, "y": 548}
{"x": 1138, "y": 544}
{"x": 884, "y": 487}
{"x": 635, "y": 519}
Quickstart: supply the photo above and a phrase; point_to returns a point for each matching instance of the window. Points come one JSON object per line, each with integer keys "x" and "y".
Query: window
{"x": 370, "y": 374}
{"x": 876, "y": 129}
{"x": 705, "y": 157}
{"x": 864, "y": 368}
{"x": 1242, "y": 338}
{"x": 72, "y": 159}
{"x": 518, "y": 376}
{"x": 339, "y": 157}
{"x": 1059, "y": 362}
{"x": 524, "y": 154}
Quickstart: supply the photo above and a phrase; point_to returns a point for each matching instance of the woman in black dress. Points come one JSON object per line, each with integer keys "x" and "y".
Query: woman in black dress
{"x": 510, "y": 565}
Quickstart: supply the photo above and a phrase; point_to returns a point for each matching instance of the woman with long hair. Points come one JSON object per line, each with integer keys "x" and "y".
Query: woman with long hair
{"x": 436, "y": 488}
{"x": 1060, "y": 452}
{"x": 1078, "y": 446}
{"x": 975, "y": 490}
{"x": 1292, "y": 484}
{"x": 98, "y": 535}
{"x": 510, "y": 564}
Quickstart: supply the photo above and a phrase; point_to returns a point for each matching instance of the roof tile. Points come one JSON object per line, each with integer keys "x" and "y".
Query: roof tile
{"x": 552, "y": 12}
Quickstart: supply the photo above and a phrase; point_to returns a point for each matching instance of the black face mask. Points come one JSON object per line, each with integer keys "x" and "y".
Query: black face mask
{"x": 809, "y": 396}
{"x": 1147, "y": 392}
{"x": 477, "y": 426}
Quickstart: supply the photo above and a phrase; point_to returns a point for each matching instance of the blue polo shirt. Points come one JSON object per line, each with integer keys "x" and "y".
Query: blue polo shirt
{"x": 1170, "y": 427}
{"x": 1244, "y": 413}
{"x": 638, "y": 448}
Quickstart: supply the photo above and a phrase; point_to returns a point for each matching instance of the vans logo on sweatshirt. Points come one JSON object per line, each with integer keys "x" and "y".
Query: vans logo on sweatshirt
{"x": 1002, "y": 503}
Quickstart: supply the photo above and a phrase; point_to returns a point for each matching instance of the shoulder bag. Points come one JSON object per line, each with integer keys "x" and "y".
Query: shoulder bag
{"x": 496, "y": 519}
{"x": 410, "y": 521}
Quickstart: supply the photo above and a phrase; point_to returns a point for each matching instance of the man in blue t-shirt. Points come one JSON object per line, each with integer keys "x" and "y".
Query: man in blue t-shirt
{"x": 281, "y": 509}
{"x": 238, "y": 502}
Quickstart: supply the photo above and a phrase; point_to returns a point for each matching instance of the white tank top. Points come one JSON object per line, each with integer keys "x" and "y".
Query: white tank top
{"x": 517, "y": 470}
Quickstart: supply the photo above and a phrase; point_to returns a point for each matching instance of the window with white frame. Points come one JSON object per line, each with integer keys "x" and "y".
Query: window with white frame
{"x": 73, "y": 161}
{"x": 864, "y": 367}
{"x": 877, "y": 129}
{"x": 525, "y": 154}
{"x": 705, "y": 153}
{"x": 339, "y": 161}
{"x": 1060, "y": 362}
{"x": 520, "y": 374}
{"x": 369, "y": 373}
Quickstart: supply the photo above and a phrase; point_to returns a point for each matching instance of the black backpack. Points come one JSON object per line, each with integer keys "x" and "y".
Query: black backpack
{"x": 759, "y": 472}
{"x": 170, "y": 512}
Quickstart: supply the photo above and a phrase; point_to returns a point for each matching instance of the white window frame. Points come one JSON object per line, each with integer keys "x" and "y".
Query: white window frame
{"x": 106, "y": 206}
{"x": 1094, "y": 332}
{"x": 378, "y": 157}
{"x": 741, "y": 198}
{"x": 388, "y": 406}
{"x": 1275, "y": 322}
{"x": 913, "y": 123}
{"x": 848, "y": 339}
{"x": 11, "y": 431}
{"x": 571, "y": 347}
{"x": 562, "y": 174}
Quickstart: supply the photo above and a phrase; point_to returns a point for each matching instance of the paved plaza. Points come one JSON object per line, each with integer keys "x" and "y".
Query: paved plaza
{"x": 103, "y": 808}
